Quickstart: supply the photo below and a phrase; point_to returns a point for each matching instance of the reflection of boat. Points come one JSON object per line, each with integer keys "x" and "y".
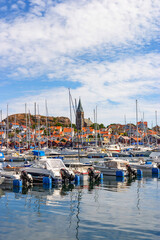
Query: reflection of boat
{"x": 110, "y": 183}
{"x": 49, "y": 167}
{"x": 110, "y": 167}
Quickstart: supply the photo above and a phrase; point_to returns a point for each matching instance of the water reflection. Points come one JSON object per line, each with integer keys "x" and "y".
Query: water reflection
{"x": 74, "y": 211}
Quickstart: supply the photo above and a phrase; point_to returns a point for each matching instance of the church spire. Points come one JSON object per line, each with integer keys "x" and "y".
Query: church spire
{"x": 80, "y": 108}
{"x": 79, "y": 116}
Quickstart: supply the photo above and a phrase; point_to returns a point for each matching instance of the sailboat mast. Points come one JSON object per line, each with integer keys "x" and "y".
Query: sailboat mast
{"x": 26, "y": 125}
{"x": 29, "y": 123}
{"x": 7, "y": 127}
{"x": 70, "y": 115}
{"x": 46, "y": 121}
{"x": 137, "y": 121}
{"x": 96, "y": 125}
{"x": 156, "y": 126}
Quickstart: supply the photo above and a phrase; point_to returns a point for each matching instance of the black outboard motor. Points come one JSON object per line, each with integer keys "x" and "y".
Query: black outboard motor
{"x": 131, "y": 172}
{"x": 93, "y": 175}
{"x": 26, "y": 178}
{"x": 66, "y": 175}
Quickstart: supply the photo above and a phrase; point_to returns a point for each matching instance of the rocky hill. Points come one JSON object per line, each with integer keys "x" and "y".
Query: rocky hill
{"x": 35, "y": 120}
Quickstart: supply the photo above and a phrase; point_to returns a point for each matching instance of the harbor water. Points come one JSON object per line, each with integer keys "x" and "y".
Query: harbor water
{"x": 112, "y": 209}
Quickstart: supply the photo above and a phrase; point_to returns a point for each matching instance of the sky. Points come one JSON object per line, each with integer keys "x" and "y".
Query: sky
{"x": 107, "y": 52}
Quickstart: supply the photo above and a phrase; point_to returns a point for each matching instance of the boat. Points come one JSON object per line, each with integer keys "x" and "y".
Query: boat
{"x": 84, "y": 170}
{"x": 140, "y": 151}
{"x": 155, "y": 156}
{"x": 10, "y": 174}
{"x": 145, "y": 166}
{"x": 110, "y": 167}
{"x": 49, "y": 167}
{"x": 113, "y": 148}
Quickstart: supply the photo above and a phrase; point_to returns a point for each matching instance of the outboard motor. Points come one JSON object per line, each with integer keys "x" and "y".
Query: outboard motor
{"x": 26, "y": 178}
{"x": 131, "y": 172}
{"x": 66, "y": 175}
{"x": 93, "y": 175}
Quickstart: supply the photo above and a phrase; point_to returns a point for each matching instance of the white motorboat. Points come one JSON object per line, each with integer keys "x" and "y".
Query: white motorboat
{"x": 51, "y": 152}
{"x": 110, "y": 167}
{"x": 85, "y": 171}
{"x": 10, "y": 174}
{"x": 67, "y": 151}
{"x": 49, "y": 167}
{"x": 113, "y": 148}
{"x": 145, "y": 166}
{"x": 155, "y": 156}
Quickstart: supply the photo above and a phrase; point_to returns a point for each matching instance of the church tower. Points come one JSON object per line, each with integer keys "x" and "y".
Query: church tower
{"x": 79, "y": 116}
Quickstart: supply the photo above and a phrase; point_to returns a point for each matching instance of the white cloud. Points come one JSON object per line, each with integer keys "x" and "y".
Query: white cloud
{"x": 103, "y": 85}
{"x": 50, "y": 38}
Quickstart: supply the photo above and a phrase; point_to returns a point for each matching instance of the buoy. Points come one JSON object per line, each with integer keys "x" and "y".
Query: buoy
{"x": 17, "y": 183}
{"x": 77, "y": 179}
{"x": 119, "y": 173}
{"x": 81, "y": 178}
{"x": 139, "y": 173}
{"x": 101, "y": 176}
{"x": 155, "y": 171}
{"x": 47, "y": 181}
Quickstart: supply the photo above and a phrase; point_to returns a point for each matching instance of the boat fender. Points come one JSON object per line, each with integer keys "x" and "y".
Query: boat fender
{"x": 155, "y": 171}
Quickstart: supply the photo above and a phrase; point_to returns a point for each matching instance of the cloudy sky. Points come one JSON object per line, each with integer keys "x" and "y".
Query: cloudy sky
{"x": 106, "y": 51}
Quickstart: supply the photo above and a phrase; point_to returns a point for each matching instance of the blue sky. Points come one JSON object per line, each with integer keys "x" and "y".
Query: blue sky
{"x": 106, "y": 51}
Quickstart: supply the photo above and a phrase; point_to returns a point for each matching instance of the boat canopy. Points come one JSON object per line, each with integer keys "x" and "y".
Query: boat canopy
{"x": 49, "y": 164}
{"x": 116, "y": 163}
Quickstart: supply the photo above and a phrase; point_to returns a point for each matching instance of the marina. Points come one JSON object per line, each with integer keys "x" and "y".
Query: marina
{"x": 79, "y": 120}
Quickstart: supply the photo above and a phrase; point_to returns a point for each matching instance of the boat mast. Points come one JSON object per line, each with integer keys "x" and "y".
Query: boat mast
{"x": 29, "y": 123}
{"x": 35, "y": 124}
{"x": 7, "y": 128}
{"x": 1, "y": 129}
{"x": 38, "y": 133}
{"x": 46, "y": 121}
{"x": 156, "y": 126}
{"x": 26, "y": 125}
{"x": 96, "y": 124}
{"x": 137, "y": 122}
{"x": 70, "y": 110}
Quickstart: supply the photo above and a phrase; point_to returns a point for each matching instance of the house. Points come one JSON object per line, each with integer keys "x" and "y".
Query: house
{"x": 14, "y": 126}
{"x": 68, "y": 131}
